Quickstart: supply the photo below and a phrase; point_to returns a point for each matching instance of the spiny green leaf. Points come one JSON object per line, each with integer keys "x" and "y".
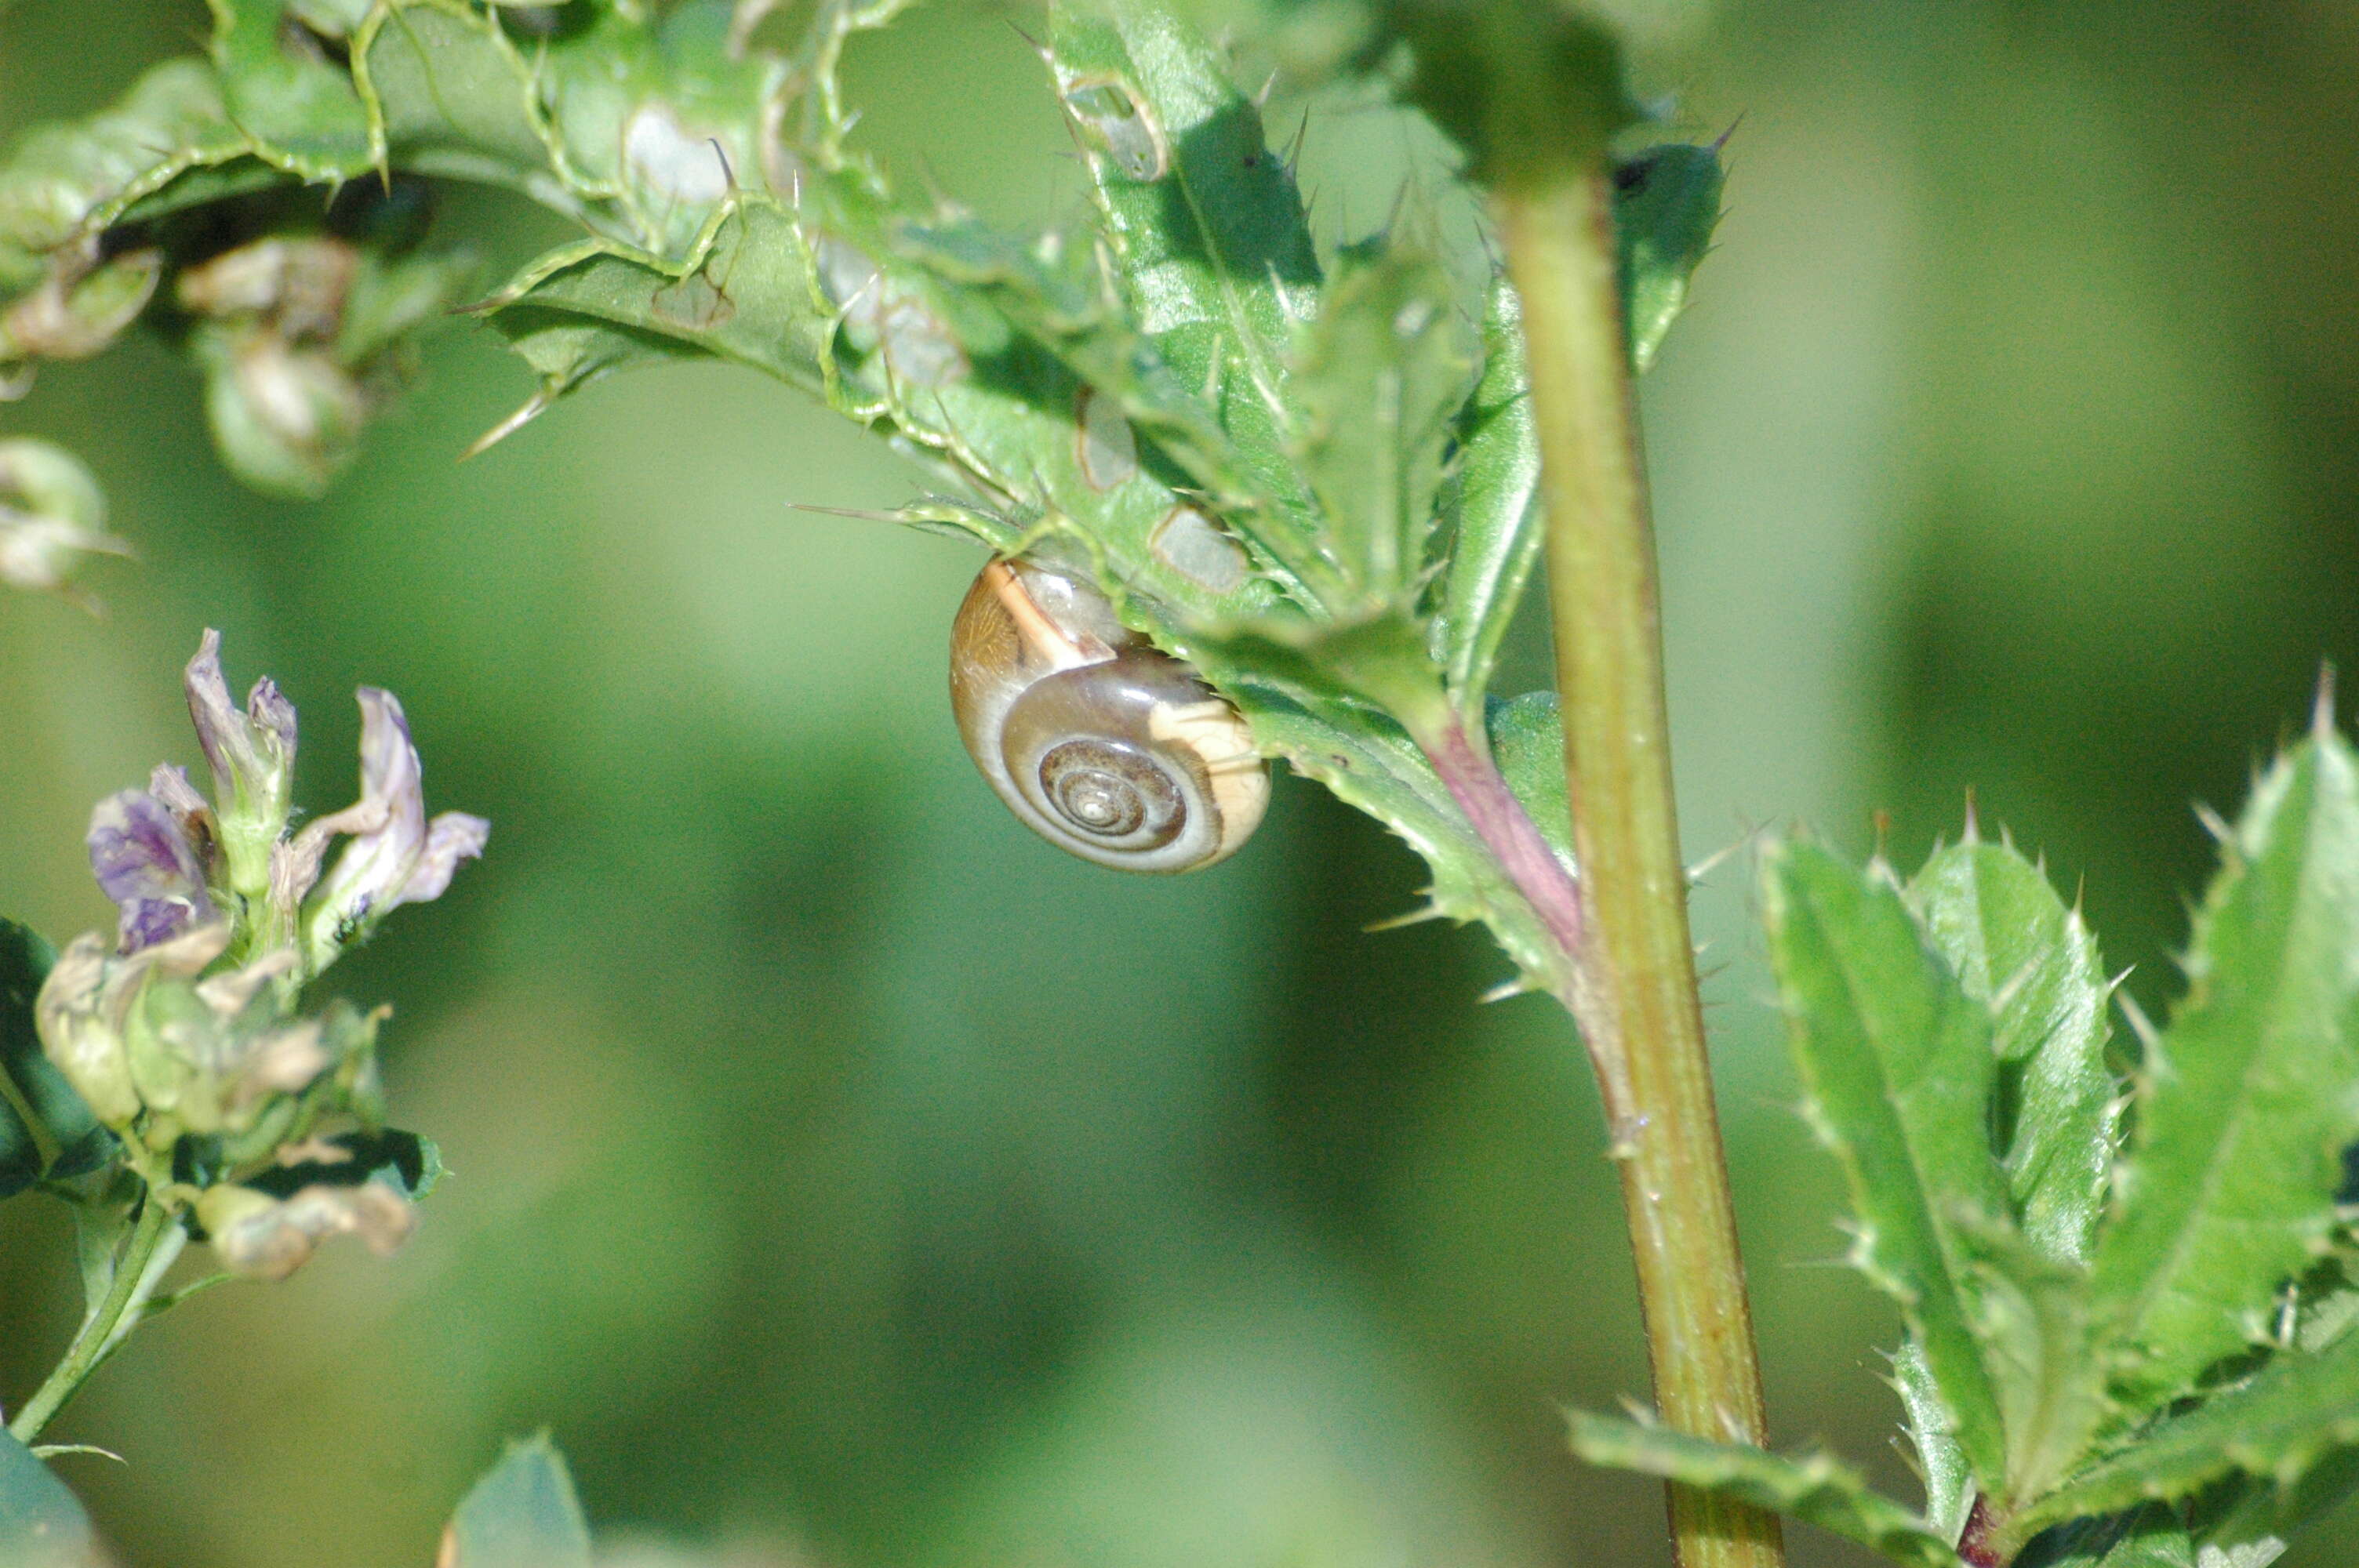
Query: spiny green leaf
{"x": 1494, "y": 508}
{"x": 298, "y": 107}
{"x": 41, "y": 1525}
{"x": 1897, "y": 1068}
{"x": 2298, "y": 1409}
{"x": 1211, "y": 245}
{"x": 745, "y": 293}
{"x": 1816, "y": 1489}
{"x": 656, "y": 120}
{"x": 65, "y": 182}
{"x": 1380, "y": 659}
{"x": 1665, "y": 205}
{"x": 2253, "y": 1091}
{"x": 1128, "y": 383}
{"x": 521, "y": 1515}
{"x": 2151, "y": 1537}
{"x": 1380, "y": 377}
{"x": 1331, "y": 701}
{"x": 2030, "y": 1313}
{"x": 1933, "y": 1433}
{"x": 2017, "y": 950}
{"x": 1663, "y": 220}
{"x": 2250, "y": 1520}
{"x": 447, "y": 92}
{"x": 819, "y": 298}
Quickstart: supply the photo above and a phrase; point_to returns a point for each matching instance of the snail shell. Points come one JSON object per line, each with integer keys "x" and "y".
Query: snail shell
{"x": 1098, "y": 741}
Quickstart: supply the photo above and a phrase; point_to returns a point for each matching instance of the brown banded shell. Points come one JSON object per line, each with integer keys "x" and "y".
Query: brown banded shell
{"x": 1098, "y": 741}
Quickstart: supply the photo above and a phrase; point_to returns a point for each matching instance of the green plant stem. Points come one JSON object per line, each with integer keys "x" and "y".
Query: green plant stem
{"x": 135, "y": 1276}
{"x": 1643, "y": 1013}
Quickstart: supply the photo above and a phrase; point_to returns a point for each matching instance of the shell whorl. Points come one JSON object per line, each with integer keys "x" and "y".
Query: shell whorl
{"x": 1098, "y": 741}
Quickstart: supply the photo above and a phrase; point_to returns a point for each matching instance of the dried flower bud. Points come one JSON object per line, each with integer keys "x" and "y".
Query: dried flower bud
{"x": 284, "y": 419}
{"x": 269, "y": 1237}
{"x": 80, "y": 308}
{"x": 51, "y": 515}
{"x": 299, "y": 282}
{"x": 85, "y": 1016}
{"x": 212, "y": 1054}
{"x": 76, "y": 1037}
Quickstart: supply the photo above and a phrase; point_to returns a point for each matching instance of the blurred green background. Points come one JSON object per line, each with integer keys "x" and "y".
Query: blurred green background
{"x": 848, "y": 1178}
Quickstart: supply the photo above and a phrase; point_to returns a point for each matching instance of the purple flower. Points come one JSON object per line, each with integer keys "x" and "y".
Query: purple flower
{"x": 145, "y": 864}
{"x": 395, "y": 855}
{"x": 253, "y": 758}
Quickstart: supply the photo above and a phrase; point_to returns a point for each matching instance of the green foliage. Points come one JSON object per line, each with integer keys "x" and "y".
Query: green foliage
{"x": 1667, "y": 201}
{"x": 1317, "y": 483}
{"x": 1528, "y": 740}
{"x": 1493, "y": 509}
{"x": 41, "y": 1525}
{"x": 2148, "y": 1537}
{"x": 1212, "y": 249}
{"x": 523, "y": 1514}
{"x": 1385, "y": 372}
{"x": 2291, "y": 1414}
{"x": 1897, "y": 1068}
{"x": 2019, "y": 952}
{"x": 1060, "y": 384}
{"x": 2148, "y": 1362}
{"x": 2247, "y": 1101}
{"x": 65, "y": 184}
{"x": 1815, "y": 1490}
{"x": 1173, "y": 399}
{"x": 1933, "y": 1434}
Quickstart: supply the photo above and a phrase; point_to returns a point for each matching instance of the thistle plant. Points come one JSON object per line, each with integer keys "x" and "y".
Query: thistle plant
{"x": 1320, "y": 471}
{"x": 165, "y": 1079}
{"x": 2124, "y": 1264}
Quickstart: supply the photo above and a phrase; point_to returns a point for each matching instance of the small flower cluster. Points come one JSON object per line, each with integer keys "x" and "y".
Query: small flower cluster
{"x": 181, "y": 1031}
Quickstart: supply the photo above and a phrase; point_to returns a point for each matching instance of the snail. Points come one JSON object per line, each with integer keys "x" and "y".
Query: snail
{"x": 1098, "y": 741}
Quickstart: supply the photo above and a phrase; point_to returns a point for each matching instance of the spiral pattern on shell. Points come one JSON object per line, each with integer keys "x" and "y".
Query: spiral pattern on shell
{"x": 1095, "y": 739}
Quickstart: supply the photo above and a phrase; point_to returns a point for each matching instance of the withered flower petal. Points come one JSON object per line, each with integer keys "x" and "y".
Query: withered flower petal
{"x": 395, "y": 857}
{"x": 228, "y": 995}
{"x": 450, "y": 837}
{"x": 251, "y": 752}
{"x": 270, "y": 1239}
{"x": 69, "y": 1016}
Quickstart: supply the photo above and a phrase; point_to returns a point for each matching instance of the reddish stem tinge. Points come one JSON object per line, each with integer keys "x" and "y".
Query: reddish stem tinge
{"x": 1500, "y": 820}
{"x": 1977, "y": 1543}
